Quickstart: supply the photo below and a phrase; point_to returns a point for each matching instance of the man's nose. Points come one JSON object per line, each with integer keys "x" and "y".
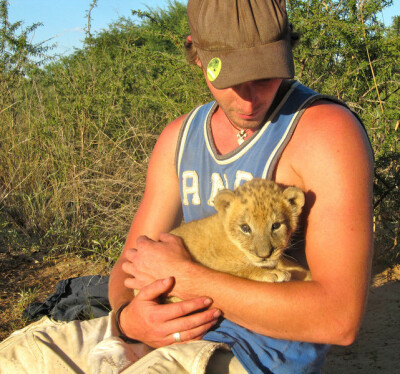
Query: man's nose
{"x": 247, "y": 92}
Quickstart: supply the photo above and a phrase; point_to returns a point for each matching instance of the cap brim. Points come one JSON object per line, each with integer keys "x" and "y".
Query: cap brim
{"x": 272, "y": 60}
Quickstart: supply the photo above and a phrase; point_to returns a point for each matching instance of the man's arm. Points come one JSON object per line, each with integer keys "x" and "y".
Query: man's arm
{"x": 144, "y": 318}
{"x": 330, "y": 156}
{"x": 159, "y": 210}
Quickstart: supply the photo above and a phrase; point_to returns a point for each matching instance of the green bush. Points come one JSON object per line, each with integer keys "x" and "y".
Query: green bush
{"x": 76, "y": 134}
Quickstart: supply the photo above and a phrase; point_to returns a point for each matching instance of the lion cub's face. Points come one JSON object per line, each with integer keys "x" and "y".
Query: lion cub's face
{"x": 259, "y": 218}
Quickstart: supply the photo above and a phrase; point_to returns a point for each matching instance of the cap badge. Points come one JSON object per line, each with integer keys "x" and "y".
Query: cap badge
{"x": 213, "y": 69}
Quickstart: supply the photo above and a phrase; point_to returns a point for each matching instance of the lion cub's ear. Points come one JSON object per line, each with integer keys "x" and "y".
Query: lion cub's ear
{"x": 223, "y": 200}
{"x": 296, "y": 198}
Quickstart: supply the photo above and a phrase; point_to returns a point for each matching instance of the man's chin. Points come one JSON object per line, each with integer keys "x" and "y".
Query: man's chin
{"x": 247, "y": 124}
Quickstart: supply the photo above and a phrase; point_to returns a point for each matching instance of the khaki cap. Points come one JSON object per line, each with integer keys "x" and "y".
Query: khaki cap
{"x": 241, "y": 40}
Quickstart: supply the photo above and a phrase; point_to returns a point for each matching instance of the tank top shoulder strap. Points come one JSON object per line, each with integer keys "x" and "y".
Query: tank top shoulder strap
{"x": 200, "y": 114}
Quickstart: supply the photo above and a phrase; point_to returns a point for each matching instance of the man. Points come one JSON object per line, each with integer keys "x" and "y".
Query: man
{"x": 261, "y": 125}
{"x": 244, "y": 51}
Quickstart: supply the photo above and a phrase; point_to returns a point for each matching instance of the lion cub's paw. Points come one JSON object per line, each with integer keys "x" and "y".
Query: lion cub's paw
{"x": 272, "y": 276}
{"x": 281, "y": 276}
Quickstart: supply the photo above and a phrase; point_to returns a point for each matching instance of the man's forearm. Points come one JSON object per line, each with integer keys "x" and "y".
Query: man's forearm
{"x": 303, "y": 311}
{"x": 118, "y": 294}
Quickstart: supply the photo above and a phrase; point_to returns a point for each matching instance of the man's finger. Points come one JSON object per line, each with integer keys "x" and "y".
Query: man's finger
{"x": 195, "y": 333}
{"x": 165, "y": 236}
{"x": 155, "y": 289}
{"x": 192, "y": 321}
{"x": 130, "y": 254}
{"x": 143, "y": 239}
{"x": 175, "y": 310}
{"x": 132, "y": 283}
{"x": 128, "y": 267}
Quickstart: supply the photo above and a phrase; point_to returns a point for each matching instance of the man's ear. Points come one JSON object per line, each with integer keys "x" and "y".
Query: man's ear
{"x": 296, "y": 198}
{"x": 189, "y": 41}
{"x": 223, "y": 200}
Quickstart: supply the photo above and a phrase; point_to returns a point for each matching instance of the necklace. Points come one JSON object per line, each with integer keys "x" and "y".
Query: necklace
{"x": 241, "y": 135}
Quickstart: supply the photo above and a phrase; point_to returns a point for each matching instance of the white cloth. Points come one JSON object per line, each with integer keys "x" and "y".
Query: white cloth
{"x": 93, "y": 347}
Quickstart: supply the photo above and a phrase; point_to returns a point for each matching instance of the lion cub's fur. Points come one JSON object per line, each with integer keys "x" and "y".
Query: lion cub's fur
{"x": 249, "y": 232}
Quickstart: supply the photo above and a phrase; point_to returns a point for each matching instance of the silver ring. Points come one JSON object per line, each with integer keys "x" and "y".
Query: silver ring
{"x": 177, "y": 337}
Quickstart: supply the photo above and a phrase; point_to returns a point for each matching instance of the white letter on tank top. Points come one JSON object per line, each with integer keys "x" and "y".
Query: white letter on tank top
{"x": 193, "y": 189}
{"x": 242, "y": 176}
{"x": 217, "y": 185}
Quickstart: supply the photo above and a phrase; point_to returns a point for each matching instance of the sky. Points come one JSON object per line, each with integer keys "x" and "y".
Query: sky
{"x": 64, "y": 20}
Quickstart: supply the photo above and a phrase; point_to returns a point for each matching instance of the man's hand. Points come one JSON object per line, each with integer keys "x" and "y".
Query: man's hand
{"x": 152, "y": 260}
{"x": 152, "y": 323}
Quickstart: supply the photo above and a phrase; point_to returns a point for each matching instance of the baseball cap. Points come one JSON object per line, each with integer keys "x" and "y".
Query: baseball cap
{"x": 241, "y": 40}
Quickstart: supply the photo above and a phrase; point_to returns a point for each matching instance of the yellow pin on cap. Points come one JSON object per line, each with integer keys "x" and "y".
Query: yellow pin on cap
{"x": 213, "y": 69}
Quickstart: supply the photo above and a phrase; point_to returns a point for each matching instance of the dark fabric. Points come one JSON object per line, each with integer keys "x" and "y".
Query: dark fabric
{"x": 75, "y": 298}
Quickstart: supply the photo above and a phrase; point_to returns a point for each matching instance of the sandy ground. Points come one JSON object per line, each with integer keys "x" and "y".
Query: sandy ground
{"x": 377, "y": 348}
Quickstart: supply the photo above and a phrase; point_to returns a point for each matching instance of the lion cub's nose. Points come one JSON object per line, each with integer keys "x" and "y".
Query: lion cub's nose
{"x": 265, "y": 254}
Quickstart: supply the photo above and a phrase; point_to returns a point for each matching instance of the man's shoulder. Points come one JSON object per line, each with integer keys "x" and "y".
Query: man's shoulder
{"x": 173, "y": 128}
{"x": 328, "y": 116}
{"x": 325, "y": 130}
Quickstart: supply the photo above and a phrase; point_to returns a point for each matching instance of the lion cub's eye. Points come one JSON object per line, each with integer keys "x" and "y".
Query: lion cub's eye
{"x": 276, "y": 225}
{"x": 245, "y": 228}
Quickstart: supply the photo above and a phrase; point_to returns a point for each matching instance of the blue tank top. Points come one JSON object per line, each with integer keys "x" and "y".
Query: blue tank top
{"x": 203, "y": 172}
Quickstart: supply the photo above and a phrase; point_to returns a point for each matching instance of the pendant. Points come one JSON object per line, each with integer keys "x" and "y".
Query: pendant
{"x": 241, "y": 136}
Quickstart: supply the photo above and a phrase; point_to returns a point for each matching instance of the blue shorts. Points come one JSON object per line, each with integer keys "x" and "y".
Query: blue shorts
{"x": 261, "y": 354}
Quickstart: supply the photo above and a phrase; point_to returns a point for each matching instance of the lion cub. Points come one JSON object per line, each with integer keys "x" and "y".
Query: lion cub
{"x": 249, "y": 232}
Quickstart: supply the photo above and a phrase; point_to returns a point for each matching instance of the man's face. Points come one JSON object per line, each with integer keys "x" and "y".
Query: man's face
{"x": 246, "y": 104}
